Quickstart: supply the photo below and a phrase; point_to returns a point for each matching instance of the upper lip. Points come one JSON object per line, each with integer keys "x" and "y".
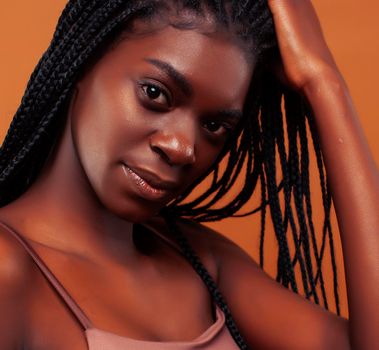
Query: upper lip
{"x": 153, "y": 179}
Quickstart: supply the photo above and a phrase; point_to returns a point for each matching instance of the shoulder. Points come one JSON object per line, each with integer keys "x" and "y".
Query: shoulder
{"x": 15, "y": 272}
{"x": 15, "y": 263}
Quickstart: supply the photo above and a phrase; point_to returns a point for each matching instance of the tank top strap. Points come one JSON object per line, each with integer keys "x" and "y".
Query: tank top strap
{"x": 57, "y": 286}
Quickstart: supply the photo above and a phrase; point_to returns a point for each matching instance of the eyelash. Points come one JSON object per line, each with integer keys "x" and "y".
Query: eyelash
{"x": 227, "y": 127}
{"x": 161, "y": 90}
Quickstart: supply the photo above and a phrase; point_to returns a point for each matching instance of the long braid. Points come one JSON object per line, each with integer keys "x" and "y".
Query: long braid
{"x": 307, "y": 196}
{"x": 326, "y": 199}
{"x": 39, "y": 80}
{"x": 289, "y": 217}
{"x": 286, "y": 275}
{"x": 263, "y": 218}
{"x": 293, "y": 109}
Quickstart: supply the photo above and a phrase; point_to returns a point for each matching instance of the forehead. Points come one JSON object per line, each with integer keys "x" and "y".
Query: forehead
{"x": 207, "y": 61}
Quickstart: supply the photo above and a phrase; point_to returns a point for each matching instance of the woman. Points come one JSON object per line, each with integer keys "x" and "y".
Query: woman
{"x": 131, "y": 106}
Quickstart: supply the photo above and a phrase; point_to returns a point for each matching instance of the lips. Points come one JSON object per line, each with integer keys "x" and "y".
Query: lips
{"x": 150, "y": 185}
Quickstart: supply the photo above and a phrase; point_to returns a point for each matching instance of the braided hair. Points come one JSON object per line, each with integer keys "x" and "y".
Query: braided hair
{"x": 277, "y": 124}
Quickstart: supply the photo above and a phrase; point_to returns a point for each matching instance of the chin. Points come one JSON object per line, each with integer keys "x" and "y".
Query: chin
{"x": 132, "y": 210}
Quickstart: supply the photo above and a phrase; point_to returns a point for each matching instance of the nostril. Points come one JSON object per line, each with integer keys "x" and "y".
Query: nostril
{"x": 161, "y": 153}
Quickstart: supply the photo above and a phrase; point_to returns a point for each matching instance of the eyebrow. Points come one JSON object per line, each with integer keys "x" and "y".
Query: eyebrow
{"x": 176, "y": 76}
{"x": 235, "y": 114}
{"x": 187, "y": 88}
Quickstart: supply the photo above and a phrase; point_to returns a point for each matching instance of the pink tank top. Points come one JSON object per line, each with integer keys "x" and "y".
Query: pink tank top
{"x": 216, "y": 337}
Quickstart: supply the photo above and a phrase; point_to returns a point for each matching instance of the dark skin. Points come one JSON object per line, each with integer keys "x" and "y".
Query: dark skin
{"x": 128, "y": 293}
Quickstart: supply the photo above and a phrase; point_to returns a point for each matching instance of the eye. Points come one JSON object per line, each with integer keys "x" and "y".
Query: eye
{"x": 156, "y": 94}
{"x": 218, "y": 128}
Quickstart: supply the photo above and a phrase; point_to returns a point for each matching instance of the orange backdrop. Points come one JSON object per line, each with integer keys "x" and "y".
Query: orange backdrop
{"x": 351, "y": 30}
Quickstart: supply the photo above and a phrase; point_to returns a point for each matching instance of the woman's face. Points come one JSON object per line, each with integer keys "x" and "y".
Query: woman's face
{"x": 153, "y": 115}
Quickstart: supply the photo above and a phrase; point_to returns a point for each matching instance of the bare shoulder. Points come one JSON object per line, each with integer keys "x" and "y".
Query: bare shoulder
{"x": 14, "y": 262}
{"x": 15, "y": 272}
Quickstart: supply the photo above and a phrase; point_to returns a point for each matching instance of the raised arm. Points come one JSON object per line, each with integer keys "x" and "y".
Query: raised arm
{"x": 354, "y": 179}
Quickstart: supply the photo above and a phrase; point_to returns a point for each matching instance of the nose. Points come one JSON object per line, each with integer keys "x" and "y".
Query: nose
{"x": 176, "y": 148}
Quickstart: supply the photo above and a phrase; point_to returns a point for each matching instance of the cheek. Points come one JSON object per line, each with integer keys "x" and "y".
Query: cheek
{"x": 105, "y": 126}
{"x": 92, "y": 130}
{"x": 105, "y": 129}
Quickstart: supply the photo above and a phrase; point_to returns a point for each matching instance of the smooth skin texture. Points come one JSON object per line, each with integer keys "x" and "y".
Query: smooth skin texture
{"x": 92, "y": 253}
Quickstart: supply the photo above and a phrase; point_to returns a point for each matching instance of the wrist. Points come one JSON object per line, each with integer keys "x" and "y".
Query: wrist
{"x": 327, "y": 82}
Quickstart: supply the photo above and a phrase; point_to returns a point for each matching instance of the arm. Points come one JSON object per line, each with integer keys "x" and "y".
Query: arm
{"x": 354, "y": 179}
{"x": 354, "y": 183}
{"x": 308, "y": 66}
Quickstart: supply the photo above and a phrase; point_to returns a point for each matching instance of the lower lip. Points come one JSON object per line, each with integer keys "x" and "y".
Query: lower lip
{"x": 146, "y": 190}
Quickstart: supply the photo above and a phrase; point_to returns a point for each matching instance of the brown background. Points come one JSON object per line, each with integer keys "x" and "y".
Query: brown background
{"x": 350, "y": 26}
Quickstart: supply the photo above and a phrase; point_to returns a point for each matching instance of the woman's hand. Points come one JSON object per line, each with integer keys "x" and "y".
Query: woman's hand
{"x": 305, "y": 56}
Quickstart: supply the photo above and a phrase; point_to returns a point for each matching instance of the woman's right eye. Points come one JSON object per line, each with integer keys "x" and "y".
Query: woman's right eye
{"x": 156, "y": 94}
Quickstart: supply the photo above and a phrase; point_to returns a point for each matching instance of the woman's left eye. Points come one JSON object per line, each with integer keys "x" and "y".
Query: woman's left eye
{"x": 217, "y": 128}
{"x": 156, "y": 94}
